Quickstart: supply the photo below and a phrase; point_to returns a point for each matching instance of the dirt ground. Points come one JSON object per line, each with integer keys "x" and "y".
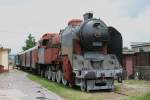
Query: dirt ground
{"x": 124, "y": 90}
{"x": 16, "y": 86}
{"x": 127, "y": 89}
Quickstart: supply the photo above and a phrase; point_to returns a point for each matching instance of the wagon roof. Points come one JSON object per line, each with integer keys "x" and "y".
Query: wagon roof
{"x": 35, "y": 47}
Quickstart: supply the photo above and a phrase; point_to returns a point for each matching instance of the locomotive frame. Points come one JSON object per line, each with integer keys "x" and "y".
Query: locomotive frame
{"x": 86, "y": 54}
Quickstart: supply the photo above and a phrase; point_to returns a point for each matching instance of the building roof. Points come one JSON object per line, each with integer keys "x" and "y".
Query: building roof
{"x": 35, "y": 47}
{"x": 128, "y": 52}
{"x": 5, "y": 49}
{"x": 140, "y": 44}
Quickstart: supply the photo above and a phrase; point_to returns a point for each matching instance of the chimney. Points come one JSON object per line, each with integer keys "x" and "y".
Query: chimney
{"x": 88, "y": 15}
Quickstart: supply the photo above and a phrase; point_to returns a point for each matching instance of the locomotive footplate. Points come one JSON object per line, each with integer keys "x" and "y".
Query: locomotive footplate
{"x": 100, "y": 82}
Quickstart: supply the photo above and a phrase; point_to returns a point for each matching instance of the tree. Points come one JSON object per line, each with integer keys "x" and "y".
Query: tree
{"x": 30, "y": 42}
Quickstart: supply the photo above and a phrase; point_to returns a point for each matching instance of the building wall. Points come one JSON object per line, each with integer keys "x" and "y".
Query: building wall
{"x": 142, "y": 65}
{"x": 4, "y": 58}
{"x": 0, "y": 57}
{"x": 128, "y": 64}
{"x": 143, "y": 72}
{"x": 137, "y": 65}
{"x": 142, "y": 58}
{"x": 138, "y": 49}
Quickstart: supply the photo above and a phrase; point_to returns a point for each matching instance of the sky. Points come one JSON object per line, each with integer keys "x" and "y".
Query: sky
{"x": 18, "y": 18}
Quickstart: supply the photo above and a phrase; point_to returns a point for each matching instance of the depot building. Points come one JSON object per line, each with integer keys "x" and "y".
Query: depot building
{"x": 4, "y": 57}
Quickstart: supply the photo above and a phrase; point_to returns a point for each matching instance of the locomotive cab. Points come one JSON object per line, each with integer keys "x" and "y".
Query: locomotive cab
{"x": 48, "y": 48}
{"x": 44, "y": 41}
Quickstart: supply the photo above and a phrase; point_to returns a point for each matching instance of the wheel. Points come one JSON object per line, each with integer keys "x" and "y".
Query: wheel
{"x": 64, "y": 81}
{"x": 49, "y": 74}
{"x": 58, "y": 76}
{"x": 83, "y": 86}
{"x": 46, "y": 74}
{"x": 120, "y": 79}
{"x": 70, "y": 85}
{"x": 54, "y": 76}
{"x": 112, "y": 89}
{"x": 41, "y": 73}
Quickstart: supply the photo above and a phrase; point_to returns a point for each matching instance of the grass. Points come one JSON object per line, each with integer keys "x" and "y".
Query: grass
{"x": 64, "y": 91}
{"x": 143, "y": 97}
{"x": 135, "y": 82}
{"x": 137, "y": 95}
{"x": 117, "y": 88}
{"x": 75, "y": 93}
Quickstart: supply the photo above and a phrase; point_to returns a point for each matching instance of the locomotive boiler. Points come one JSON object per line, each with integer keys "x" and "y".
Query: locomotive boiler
{"x": 87, "y": 53}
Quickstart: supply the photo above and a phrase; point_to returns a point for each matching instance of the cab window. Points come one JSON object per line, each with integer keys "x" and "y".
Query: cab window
{"x": 45, "y": 42}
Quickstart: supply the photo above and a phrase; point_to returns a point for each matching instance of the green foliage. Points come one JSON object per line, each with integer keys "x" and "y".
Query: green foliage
{"x": 30, "y": 42}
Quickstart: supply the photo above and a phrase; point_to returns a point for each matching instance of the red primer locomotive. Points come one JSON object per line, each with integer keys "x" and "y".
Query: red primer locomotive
{"x": 87, "y": 53}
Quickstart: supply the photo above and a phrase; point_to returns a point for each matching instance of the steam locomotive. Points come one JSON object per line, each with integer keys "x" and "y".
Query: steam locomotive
{"x": 87, "y": 53}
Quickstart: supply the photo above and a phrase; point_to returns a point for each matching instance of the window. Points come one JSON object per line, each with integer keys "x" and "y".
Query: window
{"x": 141, "y": 50}
{"x": 45, "y": 42}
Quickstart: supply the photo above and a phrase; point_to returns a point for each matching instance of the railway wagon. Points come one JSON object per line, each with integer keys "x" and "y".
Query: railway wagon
{"x": 86, "y": 53}
{"x": 27, "y": 59}
{"x": 17, "y": 61}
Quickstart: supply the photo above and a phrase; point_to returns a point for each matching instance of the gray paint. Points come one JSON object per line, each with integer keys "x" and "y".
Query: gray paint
{"x": 28, "y": 56}
{"x": 41, "y": 55}
{"x": 85, "y": 70}
{"x": 68, "y": 35}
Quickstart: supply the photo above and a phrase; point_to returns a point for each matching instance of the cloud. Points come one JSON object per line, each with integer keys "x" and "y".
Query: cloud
{"x": 133, "y": 8}
{"x": 21, "y": 17}
{"x": 13, "y": 2}
{"x": 135, "y": 29}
